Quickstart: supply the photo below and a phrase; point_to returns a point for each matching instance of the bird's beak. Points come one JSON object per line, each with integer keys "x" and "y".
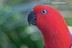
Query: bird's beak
{"x": 31, "y": 18}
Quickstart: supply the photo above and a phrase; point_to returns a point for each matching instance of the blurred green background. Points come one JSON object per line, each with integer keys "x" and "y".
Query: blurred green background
{"x": 14, "y": 29}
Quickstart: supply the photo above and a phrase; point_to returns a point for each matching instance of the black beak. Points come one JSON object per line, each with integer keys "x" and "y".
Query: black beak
{"x": 31, "y": 18}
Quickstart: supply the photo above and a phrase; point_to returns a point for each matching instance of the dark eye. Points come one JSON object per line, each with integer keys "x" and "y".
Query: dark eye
{"x": 43, "y": 11}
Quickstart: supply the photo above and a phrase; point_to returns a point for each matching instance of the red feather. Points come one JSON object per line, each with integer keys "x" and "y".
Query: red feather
{"x": 53, "y": 27}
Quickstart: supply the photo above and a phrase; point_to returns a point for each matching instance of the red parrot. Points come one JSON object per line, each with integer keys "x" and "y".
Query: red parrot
{"x": 52, "y": 26}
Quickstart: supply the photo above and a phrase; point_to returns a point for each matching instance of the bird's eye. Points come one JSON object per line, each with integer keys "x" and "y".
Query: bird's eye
{"x": 43, "y": 11}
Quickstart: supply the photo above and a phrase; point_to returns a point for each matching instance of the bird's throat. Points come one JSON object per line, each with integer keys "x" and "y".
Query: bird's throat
{"x": 56, "y": 33}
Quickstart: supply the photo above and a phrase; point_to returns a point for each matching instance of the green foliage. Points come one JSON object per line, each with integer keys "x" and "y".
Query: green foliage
{"x": 15, "y": 2}
{"x": 13, "y": 32}
{"x": 69, "y": 21}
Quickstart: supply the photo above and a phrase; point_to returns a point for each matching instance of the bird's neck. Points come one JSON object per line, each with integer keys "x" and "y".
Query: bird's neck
{"x": 56, "y": 35}
{"x": 55, "y": 31}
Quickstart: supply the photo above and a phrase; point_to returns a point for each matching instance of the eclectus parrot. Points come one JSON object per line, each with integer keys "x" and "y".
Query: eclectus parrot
{"x": 52, "y": 26}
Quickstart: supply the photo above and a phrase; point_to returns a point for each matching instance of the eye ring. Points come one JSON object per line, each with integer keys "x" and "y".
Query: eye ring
{"x": 43, "y": 11}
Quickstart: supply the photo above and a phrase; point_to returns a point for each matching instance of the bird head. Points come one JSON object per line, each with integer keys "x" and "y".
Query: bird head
{"x": 43, "y": 15}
